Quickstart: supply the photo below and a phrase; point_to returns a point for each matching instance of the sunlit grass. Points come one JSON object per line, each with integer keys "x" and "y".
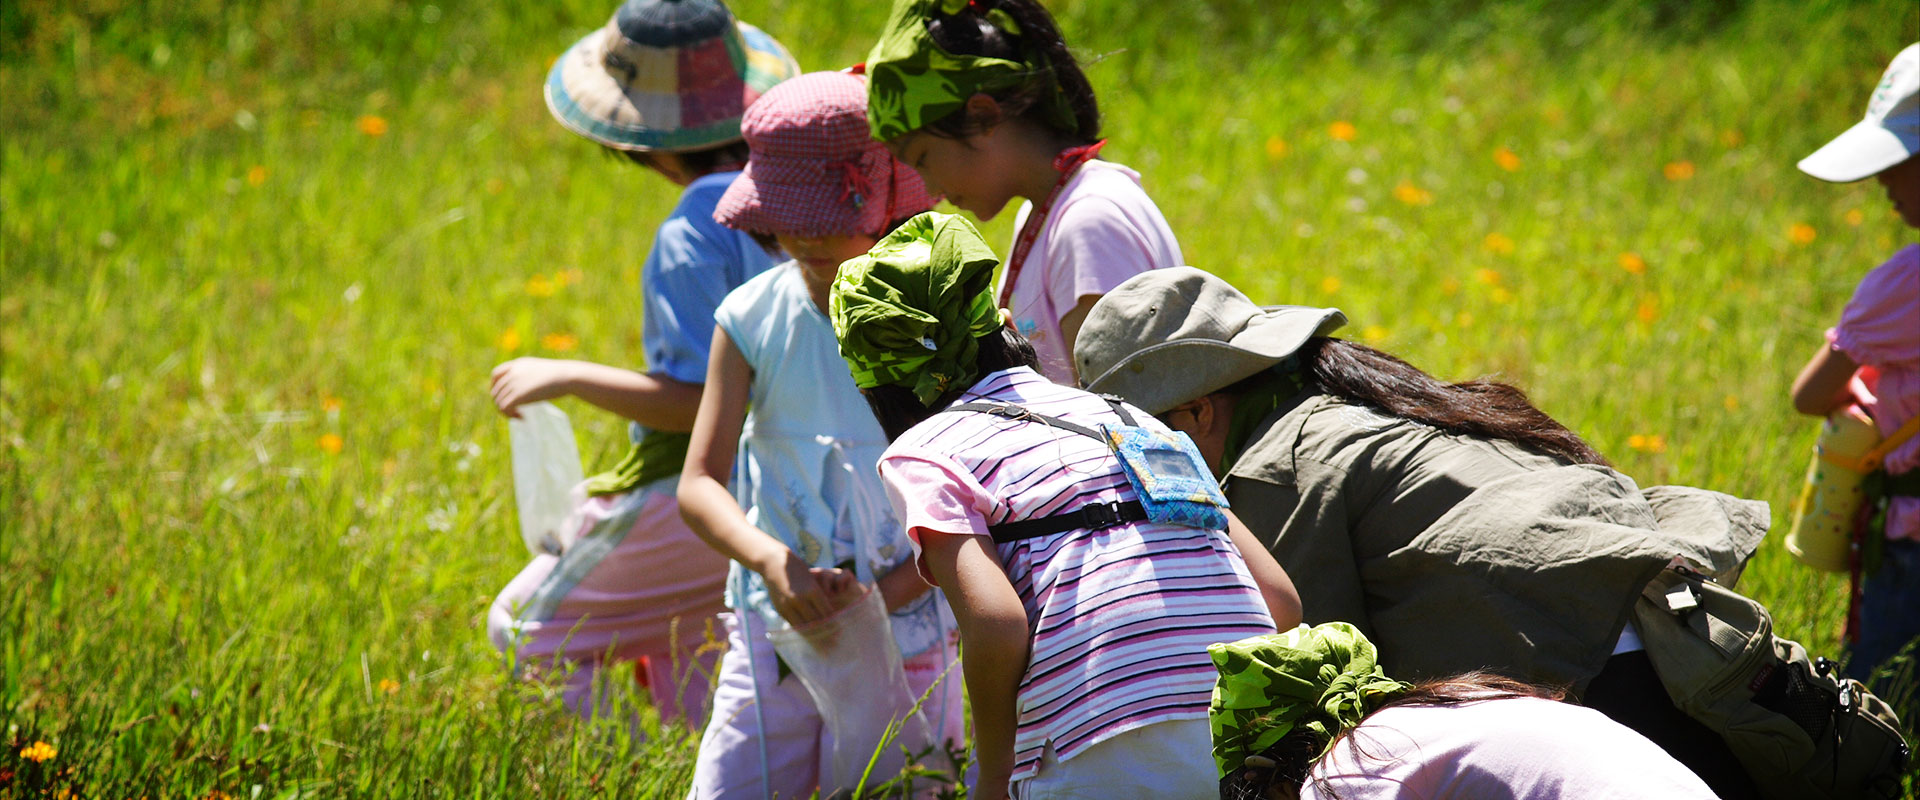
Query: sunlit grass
{"x": 258, "y": 261}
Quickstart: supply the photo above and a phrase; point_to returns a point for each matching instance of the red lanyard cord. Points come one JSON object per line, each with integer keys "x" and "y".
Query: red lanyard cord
{"x": 1068, "y": 163}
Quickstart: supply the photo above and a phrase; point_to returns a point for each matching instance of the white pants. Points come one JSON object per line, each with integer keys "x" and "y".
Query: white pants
{"x": 1166, "y": 761}
{"x": 785, "y": 723}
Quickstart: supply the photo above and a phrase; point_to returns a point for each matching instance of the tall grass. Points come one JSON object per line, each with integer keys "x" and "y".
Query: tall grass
{"x": 258, "y": 259}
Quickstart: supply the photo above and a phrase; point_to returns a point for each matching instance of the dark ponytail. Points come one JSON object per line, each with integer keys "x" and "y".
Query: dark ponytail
{"x": 970, "y": 32}
{"x": 898, "y": 409}
{"x": 1480, "y": 408}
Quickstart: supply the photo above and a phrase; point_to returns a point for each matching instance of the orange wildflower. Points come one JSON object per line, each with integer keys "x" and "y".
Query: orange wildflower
{"x": 1648, "y": 442}
{"x": 1507, "y": 159}
{"x": 1731, "y": 402}
{"x": 389, "y": 686}
{"x": 1632, "y": 262}
{"x": 1648, "y": 310}
{"x": 329, "y": 403}
{"x": 1412, "y": 195}
{"x": 1276, "y": 147}
{"x": 372, "y": 125}
{"x": 256, "y": 175}
{"x": 559, "y": 342}
{"x": 1678, "y": 170}
{"x": 1449, "y": 286}
{"x": 38, "y": 752}
{"x": 1487, "y": 276}
{"x": 1498, "y": 242}
{"x": 331, "y": 443}
{"x": 510, "y": 339}
{"x": 1343, "y": 131}
{"x": 1801, "y": 233}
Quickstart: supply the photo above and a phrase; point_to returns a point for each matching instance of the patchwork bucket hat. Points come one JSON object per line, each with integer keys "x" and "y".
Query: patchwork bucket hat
{"x": 1888, "y": 135}
{"x": 814, "y": 170}
{"x": 1167, "y": 336}
{"x": 671, "y": 75}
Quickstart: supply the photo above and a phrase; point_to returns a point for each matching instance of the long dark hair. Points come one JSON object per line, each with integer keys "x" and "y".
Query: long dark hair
{"x": 1482, "y": 408}
{"x": 898, "y": 409}
{"x": 970, "y": 33}
{"x": 1293, "y": 757}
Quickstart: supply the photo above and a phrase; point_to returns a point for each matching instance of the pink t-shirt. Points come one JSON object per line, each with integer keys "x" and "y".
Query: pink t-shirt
{"x": 1103, "y": 229}
{"x": 1880, "y": 330}
{"x": 1515, "y": 747}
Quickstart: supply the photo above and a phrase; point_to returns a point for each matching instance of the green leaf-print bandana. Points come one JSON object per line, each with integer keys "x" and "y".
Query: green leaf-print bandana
{"x": 1324, "y": 678}
{"x": 911, "y": 81}
{"x": 908, "y": 311}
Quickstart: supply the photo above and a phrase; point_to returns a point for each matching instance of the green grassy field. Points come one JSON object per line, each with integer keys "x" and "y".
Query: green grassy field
{"x": 258, "y": 259}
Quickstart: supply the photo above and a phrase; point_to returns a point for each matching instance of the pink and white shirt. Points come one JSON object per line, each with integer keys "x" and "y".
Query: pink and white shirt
{"x": 1102, "y": 230}
{"x": 1120, "y": 617}
{"x": 1880, "y": 331}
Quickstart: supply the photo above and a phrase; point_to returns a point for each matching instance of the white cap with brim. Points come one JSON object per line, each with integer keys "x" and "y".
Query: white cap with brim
{"x": 1889, "y": 135}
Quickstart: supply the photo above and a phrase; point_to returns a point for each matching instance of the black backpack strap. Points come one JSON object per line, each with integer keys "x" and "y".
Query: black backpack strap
{"x": 1114, "y": 400}
{"x": 1092, "y": 515}
{"x": 1014, "y": 412}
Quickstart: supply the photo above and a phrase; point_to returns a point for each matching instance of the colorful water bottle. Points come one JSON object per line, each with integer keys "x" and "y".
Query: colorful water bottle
{"x": 1830, "y": 501}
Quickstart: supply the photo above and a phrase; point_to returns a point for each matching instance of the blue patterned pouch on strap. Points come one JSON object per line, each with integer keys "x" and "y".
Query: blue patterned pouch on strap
{"x": 1174, "y": 483}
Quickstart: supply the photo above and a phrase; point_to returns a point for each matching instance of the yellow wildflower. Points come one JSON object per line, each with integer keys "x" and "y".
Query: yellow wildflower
{"x": 1487, "y": 276}
{"x": 1342, "y": 131}
{"x": 372, "y": 125}
{"x": 1276, "y": 147}
{"x": 1464, "y": 319}
{"x": 256, "y": 175}
{"x": 541, "y": 286}
{"x": 329, "y": 403}
{"x": 1497, "y": 242}
{"x": 389, "y": 686}
{"x": 1449, "y": 286}
{"x": 1412, "y": 195}
{"x": 1731, "y": 402}
{"x": 1330, "y": 284}
{"x": 1501, "y": 295}
{"x": 38, "y": 752}
{"x": 559, "y": 342}
{"x": 1507, "y": 159}
{"x": 1801, "y": 233}
{"x": 510, "y": 339}
{"x": 1678, "y": 170}
{"x": 331, "y": 443}
{"x": 1373, "y": 333}
{"x": 1632, "y": 262}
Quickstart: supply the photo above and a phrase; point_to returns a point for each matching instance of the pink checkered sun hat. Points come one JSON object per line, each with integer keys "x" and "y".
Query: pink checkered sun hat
{"x": 815, "y": 168}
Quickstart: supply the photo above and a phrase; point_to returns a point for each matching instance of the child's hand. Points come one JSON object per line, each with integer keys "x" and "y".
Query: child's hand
{"x": 801, "y": 593}
{"x": 528, "y": 380}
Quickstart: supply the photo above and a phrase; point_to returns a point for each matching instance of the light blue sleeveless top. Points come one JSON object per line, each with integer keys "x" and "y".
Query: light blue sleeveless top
{"x": 806, "y": 470}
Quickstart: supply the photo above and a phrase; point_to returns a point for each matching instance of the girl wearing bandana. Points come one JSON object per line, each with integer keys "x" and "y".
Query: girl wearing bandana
{"x": 983, "y": 99}
{"x": 1085, "y": 617}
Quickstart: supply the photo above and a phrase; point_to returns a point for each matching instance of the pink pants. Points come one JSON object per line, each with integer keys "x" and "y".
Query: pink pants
{"x": 635, "y": 582}
{"x": 797, "y": 746}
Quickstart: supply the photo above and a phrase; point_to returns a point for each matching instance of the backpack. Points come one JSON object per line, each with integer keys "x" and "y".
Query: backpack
{"x": 1800, "y": 730}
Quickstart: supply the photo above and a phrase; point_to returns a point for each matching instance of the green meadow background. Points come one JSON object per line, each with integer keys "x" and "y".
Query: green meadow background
{"x": 259, "y": 258}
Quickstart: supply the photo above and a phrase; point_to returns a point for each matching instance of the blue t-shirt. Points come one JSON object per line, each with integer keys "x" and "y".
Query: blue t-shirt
{"x": 694, "y": 263}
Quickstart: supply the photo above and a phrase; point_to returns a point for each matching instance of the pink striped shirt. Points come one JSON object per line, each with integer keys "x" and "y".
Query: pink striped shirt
{"x": 1120, "y": 617}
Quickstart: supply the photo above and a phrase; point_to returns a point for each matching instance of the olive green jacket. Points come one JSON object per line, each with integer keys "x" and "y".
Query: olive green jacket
{"x": 1455, "y": 553}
